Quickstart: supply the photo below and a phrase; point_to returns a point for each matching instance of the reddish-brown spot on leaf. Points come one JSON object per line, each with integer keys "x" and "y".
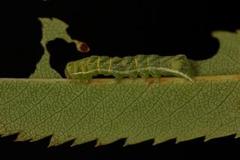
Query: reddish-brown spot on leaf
{"x": 84, "y": 47}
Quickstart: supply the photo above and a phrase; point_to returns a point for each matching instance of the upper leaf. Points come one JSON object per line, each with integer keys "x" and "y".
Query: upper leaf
{"x": 226, "y": 61}
{"x": 51, "y": 29}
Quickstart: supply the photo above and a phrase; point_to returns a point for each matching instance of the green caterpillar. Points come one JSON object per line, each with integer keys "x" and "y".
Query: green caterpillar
{"x": 132, "y": 67}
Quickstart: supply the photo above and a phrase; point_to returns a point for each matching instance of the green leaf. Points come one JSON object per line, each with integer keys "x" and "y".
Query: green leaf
{"x": 136, "y": 109}
{"x": 226, "y": 61}
{"x": 52, "y": 29}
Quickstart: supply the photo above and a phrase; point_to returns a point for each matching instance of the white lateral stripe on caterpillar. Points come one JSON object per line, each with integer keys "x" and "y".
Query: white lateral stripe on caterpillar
{"x": 135, "y": 70}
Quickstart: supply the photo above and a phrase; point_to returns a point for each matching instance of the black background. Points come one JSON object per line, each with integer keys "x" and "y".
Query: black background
{"x": 114, "y": 28}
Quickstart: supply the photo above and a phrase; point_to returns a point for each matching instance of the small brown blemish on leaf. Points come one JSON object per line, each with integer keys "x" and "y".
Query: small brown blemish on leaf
{"x": 82, "y": 46}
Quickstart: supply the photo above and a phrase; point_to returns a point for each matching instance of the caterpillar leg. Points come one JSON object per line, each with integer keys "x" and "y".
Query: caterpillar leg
{"x": 133, "y": 75}
{"x": 143, "y": 74}
{"x": 117, "y": 75}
